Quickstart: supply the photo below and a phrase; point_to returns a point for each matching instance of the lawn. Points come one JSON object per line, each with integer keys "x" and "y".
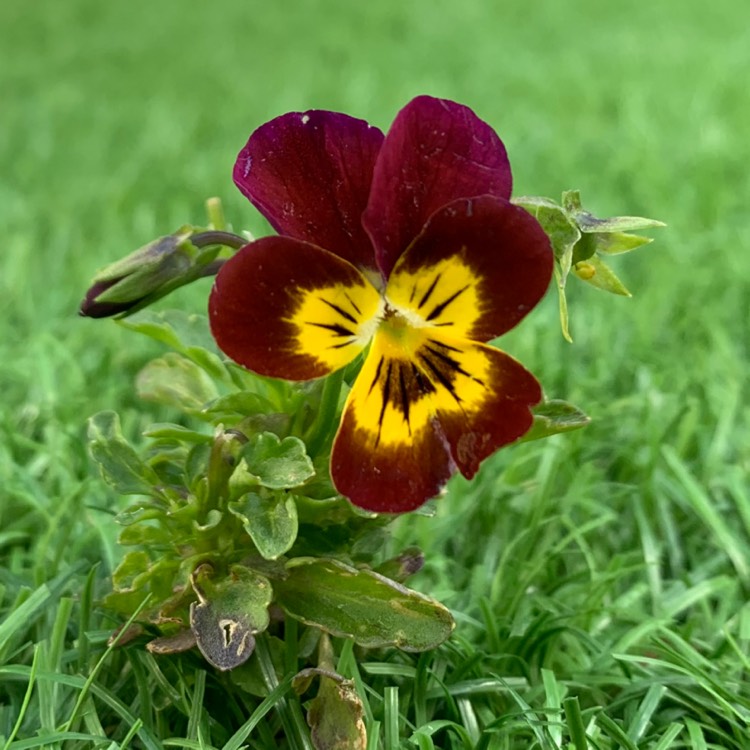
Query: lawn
{"x": 599, "y": 579}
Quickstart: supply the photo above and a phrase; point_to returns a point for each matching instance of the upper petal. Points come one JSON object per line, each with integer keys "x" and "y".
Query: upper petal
{"x": 289, "y": 309}
{"x": 435, "y": 152}
{"x": 309, "y": 174}
{"x": 478, "y": 267}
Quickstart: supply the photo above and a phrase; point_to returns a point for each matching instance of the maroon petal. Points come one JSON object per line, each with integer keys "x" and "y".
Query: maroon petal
{"x": 309, "y": 174}
{"x": 435, "y": 152}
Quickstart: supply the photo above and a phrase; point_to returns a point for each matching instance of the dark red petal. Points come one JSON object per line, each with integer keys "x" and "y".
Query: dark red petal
{"x": 289, "y": 309}
{"x": 435, "y": 152}
{"x": 309, "y": 174}
{"x": 478, "y": 267}
{"x": 492, "y": 411}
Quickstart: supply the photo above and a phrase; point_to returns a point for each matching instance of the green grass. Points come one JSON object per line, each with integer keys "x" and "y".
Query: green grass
{"x": 599, "y": 579}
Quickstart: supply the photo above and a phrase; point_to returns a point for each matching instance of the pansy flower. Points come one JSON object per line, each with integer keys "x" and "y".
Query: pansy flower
{"x": 405, "y": 247}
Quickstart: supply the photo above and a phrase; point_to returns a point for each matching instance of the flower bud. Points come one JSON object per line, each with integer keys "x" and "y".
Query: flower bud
{"x": 155, "y": 270}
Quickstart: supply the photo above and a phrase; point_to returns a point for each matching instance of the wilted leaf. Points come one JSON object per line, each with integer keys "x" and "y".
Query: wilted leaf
{"x": 230, "y": 612}
{"x": 335, "y": 716}
{"x": 172, "y": 644}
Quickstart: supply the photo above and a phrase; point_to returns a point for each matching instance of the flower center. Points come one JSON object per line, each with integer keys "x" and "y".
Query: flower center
{"x": 400, "y": 331}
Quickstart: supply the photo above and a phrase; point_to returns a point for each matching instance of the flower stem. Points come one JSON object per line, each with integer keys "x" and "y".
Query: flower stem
{"x": 325, "y": 423}
{"x": 215, "y": 237}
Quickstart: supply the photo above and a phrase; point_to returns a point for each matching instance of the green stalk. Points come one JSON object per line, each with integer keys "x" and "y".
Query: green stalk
{"x": 325, "y": 423}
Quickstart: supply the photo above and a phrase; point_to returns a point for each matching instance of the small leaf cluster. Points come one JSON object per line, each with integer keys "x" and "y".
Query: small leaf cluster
{"x": 235, "y": 525}
{"x": 580, "y": 242}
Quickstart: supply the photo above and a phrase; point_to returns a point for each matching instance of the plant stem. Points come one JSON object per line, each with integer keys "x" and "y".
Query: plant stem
{"x": 325, "y": 422}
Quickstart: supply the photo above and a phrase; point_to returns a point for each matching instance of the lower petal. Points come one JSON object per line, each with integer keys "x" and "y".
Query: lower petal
{"x": 416, "y": 415}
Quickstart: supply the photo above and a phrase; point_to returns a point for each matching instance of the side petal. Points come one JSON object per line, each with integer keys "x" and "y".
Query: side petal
{"x": 309, "y": 174}
{"x": 289, "y": 309}
{"x": 479, "y": 266}
{"x": 423, "y": 406}
{"x": 483, "y": 398}
{"x": 435, "y": 152}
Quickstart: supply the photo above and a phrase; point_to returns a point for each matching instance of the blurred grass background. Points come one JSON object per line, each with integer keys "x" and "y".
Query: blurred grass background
{"x": 118, "y": 119}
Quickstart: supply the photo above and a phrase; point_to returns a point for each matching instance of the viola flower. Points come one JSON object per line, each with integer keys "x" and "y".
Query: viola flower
{"x": 404, "y": 246}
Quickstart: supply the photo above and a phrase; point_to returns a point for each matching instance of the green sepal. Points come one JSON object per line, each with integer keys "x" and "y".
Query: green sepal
{"x": 578, "y": 237}
{"x": 270, "y": 519}
{"x": 229, "y": 613}
{"x": 558, "y": 226}
{"x": 278, "y": 464}
{"x": 361, "y": 604}
{"x": 553, "y": 417}
{"x": 177, "y": 382}
{"x": 599, "y": 274}
{"x": 617, "y": 243}
{"x": 587, "y": 222}
{"x": 119, "y": 464}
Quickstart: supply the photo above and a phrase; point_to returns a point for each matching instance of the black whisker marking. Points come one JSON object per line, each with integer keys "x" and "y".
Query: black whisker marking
{"x": 429, "y": 292}
{"x": 454, "y": 364}
{"x": 340, "y": 310}
{"x": 336, "y": 328}
{"x": 386, "y": 398}
{"x": 404, "y": 397}
{"x": 444, "y": 381}
{"x": 353, "y": 304}
{"x": 438, "y": 309}
{"x": 377, "y": 376}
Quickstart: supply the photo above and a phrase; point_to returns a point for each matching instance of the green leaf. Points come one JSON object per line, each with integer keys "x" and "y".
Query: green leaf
{"x": 597, "y": 273}
{"x": 175, "y": 381}
{"x": 362, "y": 605}
{"x": 176, "y": 433}
{"x": 229, "y": 613}
{"x": 553, "y": 417}
{"x": 278, "y": 464}
{"x": 139, "y": 533}
{"x": 270, "y": 520}
{"x": 236, "y": 405}
{"x": 118, "y": 462}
